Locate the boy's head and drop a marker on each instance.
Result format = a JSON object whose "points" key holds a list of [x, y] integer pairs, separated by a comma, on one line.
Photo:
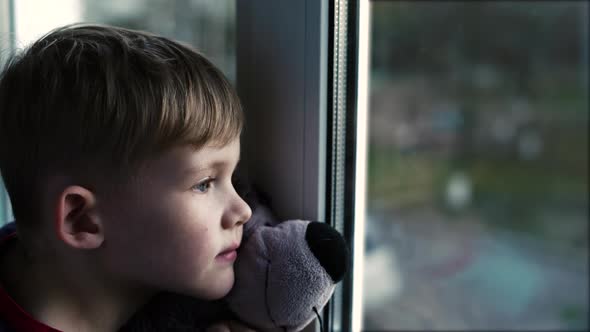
{"points": [[95, 117], [93, 100]]}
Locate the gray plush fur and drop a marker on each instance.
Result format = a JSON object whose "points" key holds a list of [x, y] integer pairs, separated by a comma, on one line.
{"points": [[279, 280]]}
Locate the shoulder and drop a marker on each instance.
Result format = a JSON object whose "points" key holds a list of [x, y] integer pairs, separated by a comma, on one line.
{"points": [[4, 327], [7, 231], [7, 239]]}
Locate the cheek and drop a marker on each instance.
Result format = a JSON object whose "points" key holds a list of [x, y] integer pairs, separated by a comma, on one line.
{"points": [[183, 261], [156, 237], [185, 230], [164, 215], [167, 240], [176, 233]]}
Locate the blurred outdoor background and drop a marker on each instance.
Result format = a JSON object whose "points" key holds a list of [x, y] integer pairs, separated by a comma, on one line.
{"points": [[478, 166]]}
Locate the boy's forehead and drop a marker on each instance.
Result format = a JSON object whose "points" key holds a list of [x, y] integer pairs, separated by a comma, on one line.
{"points": [[214, 154], [212, 159], [188, 159]]}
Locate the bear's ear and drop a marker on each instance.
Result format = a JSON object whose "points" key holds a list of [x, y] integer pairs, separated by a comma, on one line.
{"points": [[329, 247]]}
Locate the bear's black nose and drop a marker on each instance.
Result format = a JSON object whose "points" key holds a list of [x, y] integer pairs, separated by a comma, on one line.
{"points": [[329, 247]]}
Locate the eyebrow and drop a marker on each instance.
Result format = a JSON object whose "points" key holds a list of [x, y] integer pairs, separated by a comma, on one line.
{"points": [[208, 166]]}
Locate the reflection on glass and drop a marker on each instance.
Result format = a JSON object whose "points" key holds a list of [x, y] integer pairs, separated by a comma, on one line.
{"points": [[477, 171], [209, 26]]}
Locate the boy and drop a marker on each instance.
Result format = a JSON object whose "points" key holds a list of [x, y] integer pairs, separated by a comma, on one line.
{"points": [[117, 149]]}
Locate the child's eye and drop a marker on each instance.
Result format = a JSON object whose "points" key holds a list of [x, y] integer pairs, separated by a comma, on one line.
{"points": [[204, 185]]}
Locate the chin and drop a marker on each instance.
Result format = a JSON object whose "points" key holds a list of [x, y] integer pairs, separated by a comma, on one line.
{"points": [[216, 289], [215, 294]]}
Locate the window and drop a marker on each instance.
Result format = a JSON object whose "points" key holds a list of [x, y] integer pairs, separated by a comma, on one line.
{"points": [[207, 25], [6, 28], [477, 206], [6, 48]]}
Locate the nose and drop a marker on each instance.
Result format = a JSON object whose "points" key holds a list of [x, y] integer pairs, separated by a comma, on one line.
{"points": [[238, 212]]}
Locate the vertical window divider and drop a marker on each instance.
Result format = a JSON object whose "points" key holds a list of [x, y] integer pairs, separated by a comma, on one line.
{"points": [[344, 312]]}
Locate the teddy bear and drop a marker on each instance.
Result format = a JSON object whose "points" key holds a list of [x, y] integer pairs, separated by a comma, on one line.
{"points": [[285, 274]]}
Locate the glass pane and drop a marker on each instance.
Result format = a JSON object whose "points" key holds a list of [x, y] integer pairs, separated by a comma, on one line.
{"points": [[5, 36], [6, 48], [477, 211], [209, 26]]}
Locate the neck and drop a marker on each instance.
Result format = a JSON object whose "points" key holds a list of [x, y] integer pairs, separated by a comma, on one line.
{"points": [[70, 300]]}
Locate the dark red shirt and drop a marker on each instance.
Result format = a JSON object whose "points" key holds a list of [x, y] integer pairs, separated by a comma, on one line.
{"points": [[13, 318]]}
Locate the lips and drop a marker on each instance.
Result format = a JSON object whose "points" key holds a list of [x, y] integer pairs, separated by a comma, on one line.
{"points": [[229, 254]]}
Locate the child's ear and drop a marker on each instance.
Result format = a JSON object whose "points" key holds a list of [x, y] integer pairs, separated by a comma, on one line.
{"points": [[76, 221]]}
